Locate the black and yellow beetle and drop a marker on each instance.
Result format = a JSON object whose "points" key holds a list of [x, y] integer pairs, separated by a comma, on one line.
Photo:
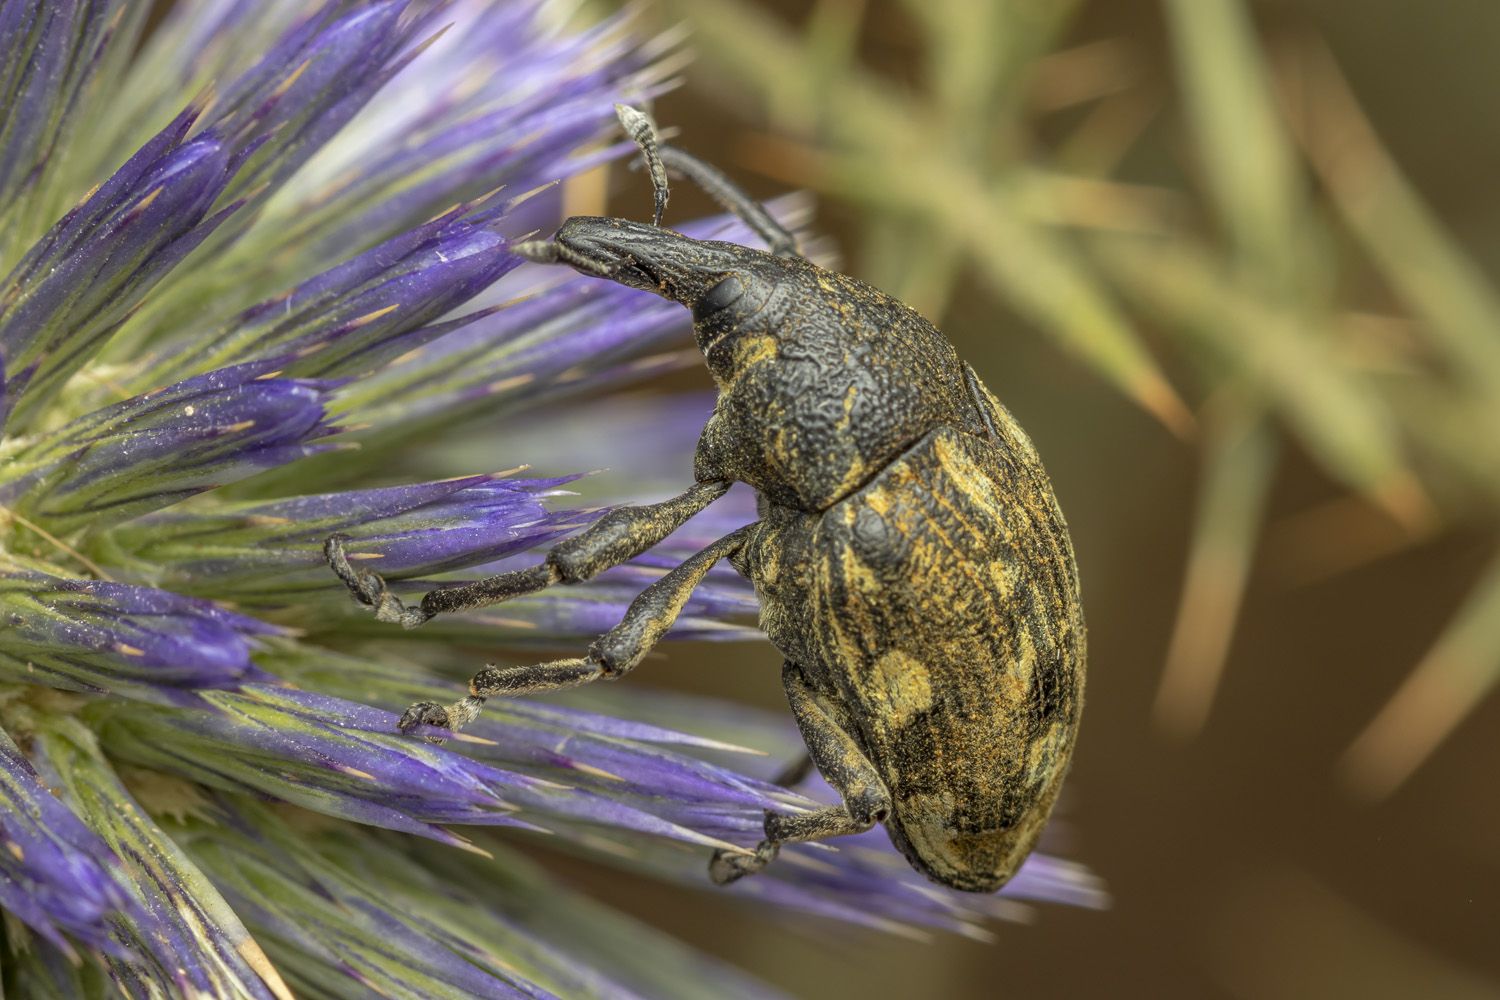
{"points": [[910, 559]]}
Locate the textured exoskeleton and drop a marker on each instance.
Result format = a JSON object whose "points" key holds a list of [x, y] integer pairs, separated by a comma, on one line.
{"points": [[911, 562]]}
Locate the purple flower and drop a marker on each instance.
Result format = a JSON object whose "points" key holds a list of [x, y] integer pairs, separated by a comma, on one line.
{"points": [[184, 938], [271, 552], [76, 286], [321, 753], [164, 446], [363, 908], [374, 307], [256, 289], [120, 638], [56, 875]]}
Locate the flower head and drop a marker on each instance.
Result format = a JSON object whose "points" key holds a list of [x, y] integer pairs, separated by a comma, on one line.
{"points": [[256, 289]]}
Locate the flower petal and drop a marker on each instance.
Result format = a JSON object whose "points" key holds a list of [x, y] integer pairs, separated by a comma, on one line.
{"points": [[322, 925], [406, 921], [325, 754], [188, 942], [78, 284], [597, 772], [56, 875], [162, 447], [356, 316], [271, 553], [93, 635], [470, 116], [60, 54]]}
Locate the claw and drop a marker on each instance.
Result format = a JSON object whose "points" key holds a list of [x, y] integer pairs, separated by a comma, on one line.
{"points": [[424, 713], [728, 866], [366, 587], [451, 717], [369, 588]]}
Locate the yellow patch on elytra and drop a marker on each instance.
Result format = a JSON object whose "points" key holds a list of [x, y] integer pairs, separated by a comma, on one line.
{"points": [[906, 683], [964, 475], [924, 815], [856, 473], [1045, 756], [935, 805], [1013, 685], [1025, 664], [887, 495], [1000, 578]]}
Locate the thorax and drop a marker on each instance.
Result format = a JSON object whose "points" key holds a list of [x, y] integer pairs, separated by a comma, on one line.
{"points": [[824, 386]]}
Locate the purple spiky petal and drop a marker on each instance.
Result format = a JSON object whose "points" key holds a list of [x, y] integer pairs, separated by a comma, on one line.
{"points": [[56, 875], [99, 636], [161, 447], [271, 553]]}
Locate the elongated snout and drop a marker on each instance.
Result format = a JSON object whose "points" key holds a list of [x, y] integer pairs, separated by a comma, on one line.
{"points": [[639, 255]]}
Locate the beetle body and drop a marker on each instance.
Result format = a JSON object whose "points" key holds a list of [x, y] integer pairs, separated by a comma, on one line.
{"points": [[910, 559]]}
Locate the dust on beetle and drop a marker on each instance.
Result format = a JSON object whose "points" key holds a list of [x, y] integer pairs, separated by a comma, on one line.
{"points": [[910, 559]]}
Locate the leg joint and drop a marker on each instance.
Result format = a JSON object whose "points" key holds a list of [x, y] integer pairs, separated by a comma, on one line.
{"points": [[868, 806], [615, 654]]}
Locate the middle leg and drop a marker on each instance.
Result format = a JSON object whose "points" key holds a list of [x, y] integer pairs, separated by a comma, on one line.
{"points": [[618, 536], [613, 654]]}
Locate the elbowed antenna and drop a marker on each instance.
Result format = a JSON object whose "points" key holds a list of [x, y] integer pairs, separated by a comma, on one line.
{"points": [[622, 252], [717, 185], [642, 131]]}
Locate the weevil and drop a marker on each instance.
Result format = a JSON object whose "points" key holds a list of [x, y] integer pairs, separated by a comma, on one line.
{"points": [[910, 560]]}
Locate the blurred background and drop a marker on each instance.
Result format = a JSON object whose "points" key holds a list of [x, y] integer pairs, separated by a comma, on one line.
{"points": [[1230, 264]]}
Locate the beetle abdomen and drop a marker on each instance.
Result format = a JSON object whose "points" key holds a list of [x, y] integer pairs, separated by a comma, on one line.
{"points": [[949, 624]]}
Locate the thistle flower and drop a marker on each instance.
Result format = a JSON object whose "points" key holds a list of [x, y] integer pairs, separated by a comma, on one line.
{"points": [[277, 285]]}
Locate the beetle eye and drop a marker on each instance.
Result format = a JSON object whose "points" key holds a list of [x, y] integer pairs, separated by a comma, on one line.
{"points": [[723, 295]]}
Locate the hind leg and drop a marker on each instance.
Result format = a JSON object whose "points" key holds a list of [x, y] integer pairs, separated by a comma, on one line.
{"points": [[843, 765]]}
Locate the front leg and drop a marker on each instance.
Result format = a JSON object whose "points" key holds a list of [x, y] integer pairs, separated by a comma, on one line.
{"points": [[843, 765], [618, 536], [612, 655]]}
